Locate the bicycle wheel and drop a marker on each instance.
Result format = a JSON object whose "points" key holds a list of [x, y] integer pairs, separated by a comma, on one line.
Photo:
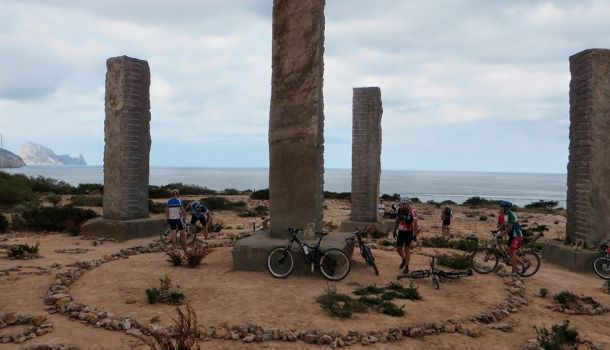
{"points": [[370, 259], [334, 264], [280, 262], [484, 261], [165, 234], [602, 267], [532, 259]]}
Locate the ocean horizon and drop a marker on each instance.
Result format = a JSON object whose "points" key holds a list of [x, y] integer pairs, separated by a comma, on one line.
{"points": [[519, 188]]}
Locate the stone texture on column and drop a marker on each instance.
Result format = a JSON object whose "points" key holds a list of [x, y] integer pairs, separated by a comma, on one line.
{"points": [[127, 137], [588, 197], [366, 153], [296, 120]]}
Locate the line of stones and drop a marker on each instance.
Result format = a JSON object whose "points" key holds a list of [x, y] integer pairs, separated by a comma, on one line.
{"points": [[37, 326], [58, 299]]}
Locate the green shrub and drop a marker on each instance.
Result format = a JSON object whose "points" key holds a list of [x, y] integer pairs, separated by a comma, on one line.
{"points": [[339, 305], [260, 194], [389, 308], [544, 292], [448, 202], [56, 218], [20, 251], [468, 244], [88, 188], [415, 200], [435, 242], [15, 189], [368, 290], [411, 292], [157, 192], [153, 295], [231, 191], [389, 295], [483, 218], [541, 204], [534, 246], [479, 201], [216, 227], [156, 208], [247, 213], [262, 210], [454, 261], [337, 195], [176, 297], [43, 184], [87, 201], [189, 190], [565, 297], [221, 203], [175, 257], [559, 336], [4, 224], [369, 301], [394, 198]]}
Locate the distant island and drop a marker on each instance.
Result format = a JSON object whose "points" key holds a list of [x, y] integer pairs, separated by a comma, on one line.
{"points": [[35, 154], [9, 159]]}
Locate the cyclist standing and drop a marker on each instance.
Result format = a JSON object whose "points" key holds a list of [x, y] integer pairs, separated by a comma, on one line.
{"points": [[512, 228], [174, 214], [405, 229], [446, 221], [199, 212]]}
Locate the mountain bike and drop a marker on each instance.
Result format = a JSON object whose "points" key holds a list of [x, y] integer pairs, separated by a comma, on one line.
{"points": [[365, 250], [437, 275], [601, 265], [485, 260], [191, 232], [333, 263]]}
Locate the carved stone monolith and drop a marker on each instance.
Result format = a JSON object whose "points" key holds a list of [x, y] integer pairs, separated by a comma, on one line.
{"points": [[296, 119]]}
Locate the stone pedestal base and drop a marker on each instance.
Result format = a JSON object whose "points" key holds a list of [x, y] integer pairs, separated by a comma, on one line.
{"points": [[123, 229], [250, 253], [383, 226], [565, 256]]}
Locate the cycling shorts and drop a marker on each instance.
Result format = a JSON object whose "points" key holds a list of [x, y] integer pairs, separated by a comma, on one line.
{"points": [[404, 238], [194, 220], [515, 242], [175, 224]]}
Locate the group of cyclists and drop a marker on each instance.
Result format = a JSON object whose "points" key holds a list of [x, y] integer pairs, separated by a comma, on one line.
{"points": [[405, 232], [405, 226], [176, 217]]}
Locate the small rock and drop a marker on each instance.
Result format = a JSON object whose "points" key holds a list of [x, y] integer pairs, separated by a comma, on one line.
{"points": [[134, 332], [130, 300], [155, 319], [10, 317], [38, 320], [449, 328], [249, 338], [416, 332], [310, 338], [504, 327]]}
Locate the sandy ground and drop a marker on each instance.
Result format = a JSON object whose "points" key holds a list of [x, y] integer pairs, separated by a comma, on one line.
{"points": [[219, 294]]}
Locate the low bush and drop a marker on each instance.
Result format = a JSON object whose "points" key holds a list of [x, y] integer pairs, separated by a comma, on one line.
{"points": [[15, 189], [479, 201], [43, 184], [369, 301], [88, 188], [189, 190], [565, 297], [156, 208], [415, 200], [166, 293], [194, 256], [448, 202], [221, 203], [558, 337], [543, 292], [216, 227], [391, 309], [4, 224], [176, 297], [87, 201], [337, 195], [153, 295], [469, 244], [57, 218], [454, 261], [371, 289], [231, 191], [541, 204], [339, 305], [247, 213], [175, 257], [411, 292], [262, 210], [22, 251], [157, 192], [260, 194], [394, 197], [185, 334], [483, 218]]}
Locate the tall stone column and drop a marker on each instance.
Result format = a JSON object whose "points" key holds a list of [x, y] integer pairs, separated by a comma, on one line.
{"points": [[127, 137], [366, 153], [296, 120], [588, 198]]}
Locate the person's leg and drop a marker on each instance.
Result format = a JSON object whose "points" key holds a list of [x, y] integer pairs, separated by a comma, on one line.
{"points": [[205, 228], [400, 248], [183, 239], [173, 239], [407, 250]]}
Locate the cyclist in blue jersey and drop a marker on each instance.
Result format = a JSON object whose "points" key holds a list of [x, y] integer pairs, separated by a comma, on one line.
{"points": [[199, 212], [175, 214]]}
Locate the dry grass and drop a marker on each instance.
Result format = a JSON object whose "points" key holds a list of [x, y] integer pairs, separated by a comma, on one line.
{"points": [[183, 336], [194, 256]]}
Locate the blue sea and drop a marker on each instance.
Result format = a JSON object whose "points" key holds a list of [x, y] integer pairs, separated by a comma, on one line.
{"points": [[519, 188]]}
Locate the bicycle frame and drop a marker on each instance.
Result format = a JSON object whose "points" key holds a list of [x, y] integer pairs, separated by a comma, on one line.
{"points": [[309, 257]]}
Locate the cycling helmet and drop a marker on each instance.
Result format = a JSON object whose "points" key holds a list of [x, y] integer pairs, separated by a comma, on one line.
{"points": [[506, 204], [405, 199], [194, 204]]}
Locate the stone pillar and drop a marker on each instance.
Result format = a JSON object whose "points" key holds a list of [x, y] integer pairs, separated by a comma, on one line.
{"points": [[127, 137], [588, 204], [296, 120], [366, 153]]}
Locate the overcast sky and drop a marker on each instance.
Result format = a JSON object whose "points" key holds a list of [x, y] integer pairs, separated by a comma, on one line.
{"points": [[475, 85]]}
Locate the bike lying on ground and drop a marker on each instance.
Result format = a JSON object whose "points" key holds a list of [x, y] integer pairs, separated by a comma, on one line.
{"points": [[365, 250], [437, 274], [333, 263], [601, 265], [485, 260], [191, 233]]}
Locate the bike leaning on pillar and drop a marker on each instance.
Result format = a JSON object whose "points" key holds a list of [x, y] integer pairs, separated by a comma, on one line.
{"points": [[333, 263], [365, 250], [601, 265]]}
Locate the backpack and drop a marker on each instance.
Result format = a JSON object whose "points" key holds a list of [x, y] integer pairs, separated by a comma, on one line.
{"points": [[447, 212], [406, 216]]}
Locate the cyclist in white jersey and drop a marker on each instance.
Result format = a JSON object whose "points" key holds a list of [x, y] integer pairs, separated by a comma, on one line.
{"points": [[174, 214]]}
